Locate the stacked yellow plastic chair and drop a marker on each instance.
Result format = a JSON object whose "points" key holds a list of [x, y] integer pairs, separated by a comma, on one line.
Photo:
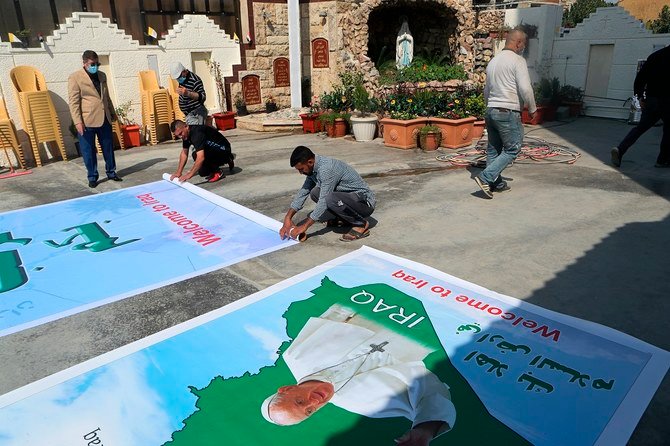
{"points": [[156, 107], [38, 113], [178, 114], [8, 138]]}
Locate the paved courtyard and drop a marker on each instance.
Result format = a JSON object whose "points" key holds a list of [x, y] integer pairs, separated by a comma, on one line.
{"points": [[586, 239]]}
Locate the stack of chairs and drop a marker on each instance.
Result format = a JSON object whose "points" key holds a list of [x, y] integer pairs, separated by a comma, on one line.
{"points": [[178, 114], [38, 113], [156, 108], [8, 137]]}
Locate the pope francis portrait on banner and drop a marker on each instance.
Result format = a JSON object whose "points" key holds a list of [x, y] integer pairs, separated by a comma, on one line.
{"points": [[347, 360]]}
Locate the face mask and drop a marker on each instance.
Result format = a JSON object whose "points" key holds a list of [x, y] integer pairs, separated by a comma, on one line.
{"points": [[181, 79], [92, 69]]}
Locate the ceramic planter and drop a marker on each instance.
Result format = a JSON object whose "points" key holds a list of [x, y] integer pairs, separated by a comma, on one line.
{"points": [[131, 135], [364, 127], [574, 107], [401, 133], [270, 107], [339, 128], [539, 116], [478, 129], [430, 141], [225, 120], [311, 123], [242, 110], [455, 132]]}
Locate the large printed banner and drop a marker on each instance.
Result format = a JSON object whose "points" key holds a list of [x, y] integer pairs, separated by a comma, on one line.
{"points": [[62, 258], [355, 351]]}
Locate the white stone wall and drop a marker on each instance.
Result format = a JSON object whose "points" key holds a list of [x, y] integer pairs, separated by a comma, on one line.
{"points": [[566, 56], [60, 55], [547, 18], [632, 42]]}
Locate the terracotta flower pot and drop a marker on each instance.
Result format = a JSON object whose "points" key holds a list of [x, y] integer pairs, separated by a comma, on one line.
{"points": [[455, 132], [225, 120], [401, 133], [311, 123], [430, 141], [340, 127], [539, 116], [478, 129], [574, 107], [131, 135], [330, 129]]}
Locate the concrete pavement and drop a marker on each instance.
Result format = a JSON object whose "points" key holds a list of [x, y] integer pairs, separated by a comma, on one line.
{"points": [[587, 240]]}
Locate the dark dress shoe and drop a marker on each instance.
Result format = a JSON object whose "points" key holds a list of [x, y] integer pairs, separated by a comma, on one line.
{"points": [[115, 178], [92, 184]]}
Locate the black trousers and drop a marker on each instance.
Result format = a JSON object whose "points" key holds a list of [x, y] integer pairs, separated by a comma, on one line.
{"points": [[351, 207], [655, 109], [214, 159]]}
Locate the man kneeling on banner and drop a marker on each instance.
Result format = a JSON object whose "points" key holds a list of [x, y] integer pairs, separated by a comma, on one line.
{"points": [[342, 197], [356, 364], [211, 150]]}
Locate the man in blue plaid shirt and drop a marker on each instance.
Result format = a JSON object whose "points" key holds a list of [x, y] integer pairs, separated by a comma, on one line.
{"points": [[342, 197]]}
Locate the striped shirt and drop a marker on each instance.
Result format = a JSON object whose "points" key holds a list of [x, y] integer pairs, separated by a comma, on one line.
{"points": [[331, 175], [192, 83]]}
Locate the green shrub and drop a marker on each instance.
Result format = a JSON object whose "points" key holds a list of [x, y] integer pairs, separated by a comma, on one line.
{"points": [[475, 105], [420, 71]]}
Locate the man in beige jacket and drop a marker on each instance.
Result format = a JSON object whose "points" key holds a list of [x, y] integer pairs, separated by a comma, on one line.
{"points": [[92, 114]]}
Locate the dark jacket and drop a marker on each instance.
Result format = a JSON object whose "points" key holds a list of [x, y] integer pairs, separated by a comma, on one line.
{"points": [[652, 78]]}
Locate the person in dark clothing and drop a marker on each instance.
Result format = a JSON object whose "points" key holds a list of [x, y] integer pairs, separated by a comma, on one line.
{"points": [[653, 90], [211, 150]]}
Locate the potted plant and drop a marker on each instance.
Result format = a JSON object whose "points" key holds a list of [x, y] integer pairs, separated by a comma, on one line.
{"points": [[24, 37], [402, 124], [129, 128], [241, 105], [310, 121], [430, 137], [363, 120], [455, 121], [337, 104], [223, 120], [335, 123], [547, 98], [499, 32], [476, 107], [573, 97], [270, 104], [529, 29]]}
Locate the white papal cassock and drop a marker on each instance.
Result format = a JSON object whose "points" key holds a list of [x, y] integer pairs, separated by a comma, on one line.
{"points": [[389, 383]]}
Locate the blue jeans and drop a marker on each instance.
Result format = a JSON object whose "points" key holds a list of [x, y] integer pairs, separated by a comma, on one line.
{"points": [[505, 133], [89, 153]]}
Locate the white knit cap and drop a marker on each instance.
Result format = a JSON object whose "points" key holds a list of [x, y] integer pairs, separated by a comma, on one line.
{"points": [[265, 408], [175, 69]]}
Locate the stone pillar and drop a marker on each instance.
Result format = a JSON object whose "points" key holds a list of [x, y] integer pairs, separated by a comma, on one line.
{"points": [[294, 52]]}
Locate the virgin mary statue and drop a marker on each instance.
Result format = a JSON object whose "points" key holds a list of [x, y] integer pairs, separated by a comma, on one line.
{"points": [[404, 46]]}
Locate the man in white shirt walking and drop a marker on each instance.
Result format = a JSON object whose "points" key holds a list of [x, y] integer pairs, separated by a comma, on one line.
{"points": [[507, 90]]}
